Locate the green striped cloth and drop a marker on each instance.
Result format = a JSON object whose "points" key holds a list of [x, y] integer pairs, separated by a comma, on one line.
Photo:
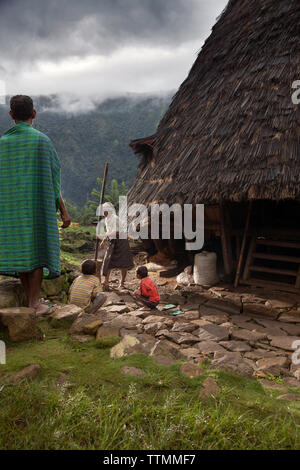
{"points": [[29, 199]]}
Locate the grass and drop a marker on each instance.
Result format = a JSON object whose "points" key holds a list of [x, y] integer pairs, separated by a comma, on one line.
{"points": [[73, 237], [100, 408], [73, 259]]}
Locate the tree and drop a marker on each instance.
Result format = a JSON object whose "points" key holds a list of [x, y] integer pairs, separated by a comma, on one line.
{"points": [[111, 195]]}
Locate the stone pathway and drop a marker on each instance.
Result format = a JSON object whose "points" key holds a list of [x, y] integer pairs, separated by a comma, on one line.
{"points": [[239, 332], [210, 327]]}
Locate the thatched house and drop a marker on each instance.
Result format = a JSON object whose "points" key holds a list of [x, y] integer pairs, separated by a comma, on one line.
{"points": [[232, 135]]}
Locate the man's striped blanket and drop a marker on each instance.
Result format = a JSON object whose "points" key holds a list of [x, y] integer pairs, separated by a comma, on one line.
{"points": [[29, 199]]}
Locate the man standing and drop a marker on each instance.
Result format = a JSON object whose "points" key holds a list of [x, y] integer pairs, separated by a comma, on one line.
{"points": [[29, 199]]}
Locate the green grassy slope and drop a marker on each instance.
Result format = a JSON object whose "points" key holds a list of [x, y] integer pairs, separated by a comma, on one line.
{"points": [[100, 408]]}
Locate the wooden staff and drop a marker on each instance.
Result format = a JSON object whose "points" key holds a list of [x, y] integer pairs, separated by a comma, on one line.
{"points": [[239, 267], [101, 202]]}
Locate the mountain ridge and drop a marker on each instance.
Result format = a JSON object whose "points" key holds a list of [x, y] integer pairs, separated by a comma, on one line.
{"points": [[86, 140]]}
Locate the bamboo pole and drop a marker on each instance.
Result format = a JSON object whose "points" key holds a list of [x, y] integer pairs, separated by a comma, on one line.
{"points": [[239, 267], [101, 202]]}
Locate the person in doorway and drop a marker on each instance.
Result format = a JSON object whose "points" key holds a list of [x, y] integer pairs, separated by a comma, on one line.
{"points": [[118, 255], [29, 199]]}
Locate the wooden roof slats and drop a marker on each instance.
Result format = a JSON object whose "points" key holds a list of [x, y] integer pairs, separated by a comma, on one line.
{"points": [[233, 121]]}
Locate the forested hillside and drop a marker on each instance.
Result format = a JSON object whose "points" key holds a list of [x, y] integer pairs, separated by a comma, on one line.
{"points": [[86, 140]]}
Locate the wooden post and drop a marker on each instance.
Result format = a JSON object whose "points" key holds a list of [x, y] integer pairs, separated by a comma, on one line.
{"points": [[239, 267], [101, 202], [249, 257], [224, 241], [297, 285], [228, 236], [237, 247]]}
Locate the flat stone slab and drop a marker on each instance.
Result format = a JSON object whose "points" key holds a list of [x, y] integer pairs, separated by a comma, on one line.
{"points": [[124, 347], [273, 365], [126, 321], [216, 318], [176, 299], [269, 384], [193, 315], [222, 305], [134, 371], [284, 342], [290, 329], [92, 328], [67, 313], [268, 331], [113, 299], [77, 327], [201, 322], [209, 388], [253, 309], [11, 293], [227, 325], [167, 349], [212, 333], [247, 335], [107, 332], [232, 362], [118, 309], [297, 374], [164, 360], [236, 346], [273, 327], [261, 354], [138, 313], [292, 382], [21, 323], [156, 319], [179, 338], [190, 352], [82, 338], [209, 347], [184, 327], [293, 316], [289, 396], [191, 370], [153, 328], [27, 373], [279, 304], [242, 322]]}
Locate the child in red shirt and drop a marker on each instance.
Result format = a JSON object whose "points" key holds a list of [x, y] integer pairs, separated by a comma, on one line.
{"points": [[147, 293]]}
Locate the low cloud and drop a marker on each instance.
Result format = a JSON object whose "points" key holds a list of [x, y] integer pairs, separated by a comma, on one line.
{"points": [[101, 48]]}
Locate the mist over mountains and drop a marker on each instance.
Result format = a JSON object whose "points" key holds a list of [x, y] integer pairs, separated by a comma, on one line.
{"points": [[87, 136]]}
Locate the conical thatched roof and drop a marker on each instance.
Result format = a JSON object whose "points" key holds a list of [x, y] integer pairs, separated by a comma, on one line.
{"points": [[231, 131]]}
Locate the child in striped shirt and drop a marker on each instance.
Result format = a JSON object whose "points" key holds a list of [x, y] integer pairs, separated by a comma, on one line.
{"points": [[85, 289]]}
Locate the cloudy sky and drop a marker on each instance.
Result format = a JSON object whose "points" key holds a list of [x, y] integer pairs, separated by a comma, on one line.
{"points": [[101, 47]]}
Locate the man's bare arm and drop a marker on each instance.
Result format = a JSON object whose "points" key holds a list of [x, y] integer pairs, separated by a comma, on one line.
{"points": [[64, 214]]}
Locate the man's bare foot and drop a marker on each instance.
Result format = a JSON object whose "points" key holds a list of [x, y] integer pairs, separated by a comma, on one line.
{"points": [[43, 309]]}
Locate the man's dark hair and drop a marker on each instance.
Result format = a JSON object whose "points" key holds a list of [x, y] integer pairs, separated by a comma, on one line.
{"points": [[88, 267], [142, 271], [21, 107]]}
